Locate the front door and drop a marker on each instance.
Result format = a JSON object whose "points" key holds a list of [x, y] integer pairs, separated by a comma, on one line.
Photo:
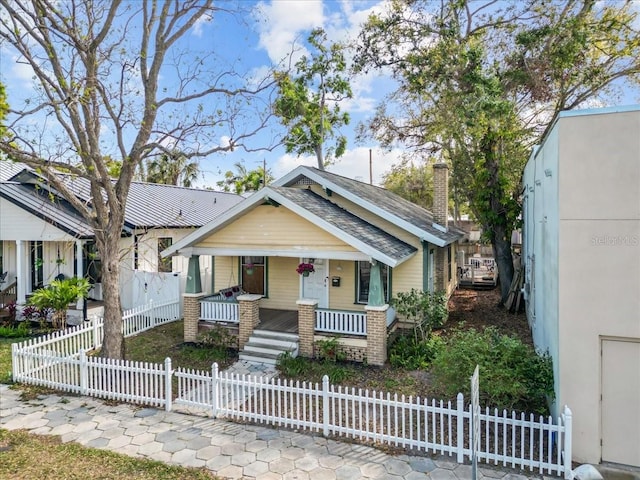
{"points": [[315, 286]]}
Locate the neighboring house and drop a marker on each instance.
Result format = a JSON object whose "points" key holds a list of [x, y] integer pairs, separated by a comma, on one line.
{"points": [[366, 244], [581, 252], [42, 236]]}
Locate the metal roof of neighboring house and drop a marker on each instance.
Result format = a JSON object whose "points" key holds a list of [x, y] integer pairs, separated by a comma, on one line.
{"points": [[347, 222], [37, 202], [151, 205], [384, 203], [9, 168]]}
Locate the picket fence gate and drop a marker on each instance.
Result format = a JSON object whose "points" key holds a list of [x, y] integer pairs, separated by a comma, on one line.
{"points": [[60, 361]]}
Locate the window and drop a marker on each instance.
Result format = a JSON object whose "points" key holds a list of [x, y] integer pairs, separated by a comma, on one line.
{"points": [[253, 275], [164, 264], [363, 276], [92, 264], [449, 264]]}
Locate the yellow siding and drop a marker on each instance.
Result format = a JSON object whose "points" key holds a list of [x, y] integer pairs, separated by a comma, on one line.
{"points": [[283, 284], [274, 228], [407, 275], [343, 297], [226, 273]]}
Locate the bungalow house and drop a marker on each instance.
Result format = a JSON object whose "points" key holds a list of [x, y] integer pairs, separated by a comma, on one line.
{"points": [[43, 237], [364, 244], [581, 252]]}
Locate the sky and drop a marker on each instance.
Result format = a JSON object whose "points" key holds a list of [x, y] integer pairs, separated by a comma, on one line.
{"points": [[268, 32]]}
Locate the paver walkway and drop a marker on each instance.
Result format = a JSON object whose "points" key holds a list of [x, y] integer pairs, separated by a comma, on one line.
{"points": [[228, 449]]}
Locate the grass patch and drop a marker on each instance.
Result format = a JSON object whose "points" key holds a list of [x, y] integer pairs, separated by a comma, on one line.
{"points": [[168, 341], [57, 461], [5, 358]]}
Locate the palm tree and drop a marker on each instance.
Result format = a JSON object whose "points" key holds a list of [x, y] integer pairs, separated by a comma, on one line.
{"points": [[244, 180], [173, 168]]}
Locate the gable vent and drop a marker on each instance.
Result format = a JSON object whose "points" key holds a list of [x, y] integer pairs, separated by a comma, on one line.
{"points": [[305, 181]]}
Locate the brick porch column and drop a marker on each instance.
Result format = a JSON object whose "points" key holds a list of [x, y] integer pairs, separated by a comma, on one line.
{"points": [[249, 306], [191, 315], [306, 326], [376, 334]]}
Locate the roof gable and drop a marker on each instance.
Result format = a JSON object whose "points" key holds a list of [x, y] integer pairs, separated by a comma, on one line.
{"points": [[356, 232], [379, 201]]}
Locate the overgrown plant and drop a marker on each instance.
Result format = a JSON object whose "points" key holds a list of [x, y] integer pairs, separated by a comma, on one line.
{"points": [[425, 310], [220, 341], [512, 374], [58, 295], [413, 354], [329, 350]]}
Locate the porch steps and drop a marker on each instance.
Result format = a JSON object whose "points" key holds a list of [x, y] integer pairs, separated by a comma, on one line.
{"points": [[265, 346]]}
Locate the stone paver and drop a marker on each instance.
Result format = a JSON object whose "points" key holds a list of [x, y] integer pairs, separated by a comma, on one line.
{"points": [[228, 449]]}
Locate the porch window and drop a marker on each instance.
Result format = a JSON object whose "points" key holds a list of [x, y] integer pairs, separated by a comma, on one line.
{"points": [[164, 264], [253, 274], [363, 276], [92, 264], [37, 261]]}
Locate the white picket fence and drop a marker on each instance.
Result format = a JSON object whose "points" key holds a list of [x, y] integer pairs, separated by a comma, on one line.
{"points": [[509, 439], [60, 361]]}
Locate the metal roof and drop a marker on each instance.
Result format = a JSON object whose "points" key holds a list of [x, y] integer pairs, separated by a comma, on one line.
{"points": [[388, 204], [151, 205], [9, 168], [56, 212], [347, 222]]}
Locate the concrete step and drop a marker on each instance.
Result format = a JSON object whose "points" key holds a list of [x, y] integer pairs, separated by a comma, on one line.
{"points": [[268, 358], [265, 346]]}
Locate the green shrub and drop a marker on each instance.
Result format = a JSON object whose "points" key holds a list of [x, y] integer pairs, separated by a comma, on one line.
{"points": [[512, 375], [21, 330], [292, 367], [411, 354], [426, 310], [329, 350], [219, 342]]}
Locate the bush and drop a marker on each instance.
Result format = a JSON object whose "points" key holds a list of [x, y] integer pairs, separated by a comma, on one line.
{"points": [[219, 342], [21, 330], [411, 354], [512, 375], [426, 310]]}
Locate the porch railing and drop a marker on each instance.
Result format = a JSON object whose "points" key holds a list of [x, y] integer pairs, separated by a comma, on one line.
{"points": [[342, 322], [219, 311]]}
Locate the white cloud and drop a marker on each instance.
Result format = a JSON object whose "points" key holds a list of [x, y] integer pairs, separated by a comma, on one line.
{"points": [[284, 21]]}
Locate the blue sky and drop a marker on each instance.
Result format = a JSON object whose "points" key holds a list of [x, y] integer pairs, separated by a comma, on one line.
{"points": [[261, 39]]}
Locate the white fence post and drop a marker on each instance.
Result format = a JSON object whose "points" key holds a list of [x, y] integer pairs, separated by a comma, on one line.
{"points": [[460, 429], [567, 417], [325, 405], [96, 341], [152, 314], [168, 374], [214, 389], [14, 361], [84, 372]]}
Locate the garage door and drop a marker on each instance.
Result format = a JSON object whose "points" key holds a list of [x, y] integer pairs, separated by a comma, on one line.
{"points": [[621, 401]]}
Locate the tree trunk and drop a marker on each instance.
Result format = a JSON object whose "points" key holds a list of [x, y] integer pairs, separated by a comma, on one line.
{"points": [[501, 244], [109, 246], [319, 157]]}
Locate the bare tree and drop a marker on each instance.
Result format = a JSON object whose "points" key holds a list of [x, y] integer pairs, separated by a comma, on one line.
{"points": [[120, 79]]}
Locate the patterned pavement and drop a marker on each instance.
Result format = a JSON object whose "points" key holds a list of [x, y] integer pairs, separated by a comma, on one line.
{"points": [[230, 450]]}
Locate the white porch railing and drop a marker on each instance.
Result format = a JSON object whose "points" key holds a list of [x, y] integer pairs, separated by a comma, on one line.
{"points": [[219, 311], [341, 322]]}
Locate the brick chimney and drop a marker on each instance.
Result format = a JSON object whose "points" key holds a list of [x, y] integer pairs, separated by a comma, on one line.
{"points": [[441, 194]]}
